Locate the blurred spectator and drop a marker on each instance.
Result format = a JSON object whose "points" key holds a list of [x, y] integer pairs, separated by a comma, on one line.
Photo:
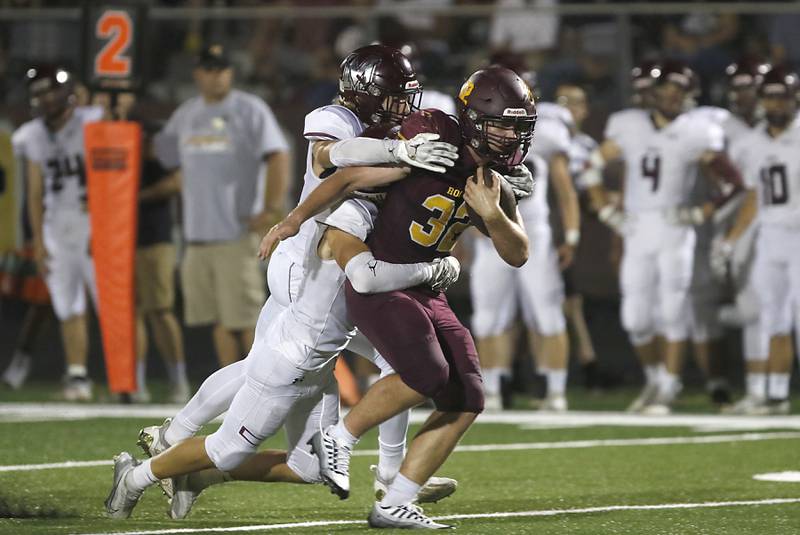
{"points": [[155, 275], [220, 140]]}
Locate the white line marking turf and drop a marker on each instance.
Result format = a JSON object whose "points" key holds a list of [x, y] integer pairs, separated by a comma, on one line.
{"points": [[32, 412], [478, 448], [510, 514], [779, 477]]}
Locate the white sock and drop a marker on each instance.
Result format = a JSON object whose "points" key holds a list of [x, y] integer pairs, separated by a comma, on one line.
{"points": [[142, 476], [491, 381], [556, 382], [670, 383], [141, 374], [390, 459], [77, 370], [340, 433], [178, 375], [401, 491], [778, 387], [652, 373], [757, 385]]}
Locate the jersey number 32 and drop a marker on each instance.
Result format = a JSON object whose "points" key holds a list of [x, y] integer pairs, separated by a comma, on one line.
{"points": [[444, 227]]}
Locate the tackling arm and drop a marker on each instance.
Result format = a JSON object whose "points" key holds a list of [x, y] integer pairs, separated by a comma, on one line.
{"points": [[368, 275], [331, 191]]}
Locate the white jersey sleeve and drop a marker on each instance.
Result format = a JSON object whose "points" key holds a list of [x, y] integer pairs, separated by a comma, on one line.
{"points": [[331, 123], [622, 124], [534, 210], [432, 98], [21, 139], [354, 216], [550, 137]]}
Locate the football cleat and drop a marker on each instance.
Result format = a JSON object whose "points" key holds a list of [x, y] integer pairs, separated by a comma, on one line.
{"points": [[18, 370], [77, 388], [646, 397], [556, 403], [748, 405], [122, 499], [435, 489], [183, 497], [656, 409], [334, 462], [151, 441], [406, 516], [776, 407]]}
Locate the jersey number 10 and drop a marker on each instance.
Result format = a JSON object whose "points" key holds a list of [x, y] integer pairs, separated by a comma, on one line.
{"points": [[776, 188]]}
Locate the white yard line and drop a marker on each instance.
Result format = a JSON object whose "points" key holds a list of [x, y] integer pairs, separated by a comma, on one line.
{"points": [[510, 514], [32, 412], [479, 448]]}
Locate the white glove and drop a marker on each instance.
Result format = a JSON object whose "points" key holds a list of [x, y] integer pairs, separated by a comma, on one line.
{"points": [[424, 151], [521, 180], [721, 254], [445, 272], [685, 216], [613, 217]]}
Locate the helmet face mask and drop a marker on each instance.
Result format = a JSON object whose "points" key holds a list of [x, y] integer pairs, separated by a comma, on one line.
{"points": [[378, 83], [497, 114]]}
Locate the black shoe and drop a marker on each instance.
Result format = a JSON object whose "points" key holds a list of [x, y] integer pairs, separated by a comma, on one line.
{"points": [[721, 396], [506, 392]]}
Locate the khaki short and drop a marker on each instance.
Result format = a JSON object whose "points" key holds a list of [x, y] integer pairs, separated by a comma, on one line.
{"points": [[223, 283], [155, 282]]}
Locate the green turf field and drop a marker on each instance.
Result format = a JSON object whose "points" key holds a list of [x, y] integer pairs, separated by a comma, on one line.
{"points": [[548, 477]]}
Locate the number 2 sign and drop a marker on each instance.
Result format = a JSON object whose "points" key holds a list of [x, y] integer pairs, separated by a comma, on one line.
{"points": [[113, 52]]}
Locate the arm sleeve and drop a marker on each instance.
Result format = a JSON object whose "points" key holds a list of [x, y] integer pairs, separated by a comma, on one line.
{"points": [[368, 275], [614, 128], [266, 131], [551, 139]]}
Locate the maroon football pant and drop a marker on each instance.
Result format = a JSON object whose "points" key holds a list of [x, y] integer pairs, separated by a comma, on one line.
{"points": [[420, 336]]}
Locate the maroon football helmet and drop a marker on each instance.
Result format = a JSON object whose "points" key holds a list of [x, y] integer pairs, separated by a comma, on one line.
{"points": [[642, 84], [379, 84], [744, 78], [50, 90], [668, 75], [497, 114], [778, 91]]}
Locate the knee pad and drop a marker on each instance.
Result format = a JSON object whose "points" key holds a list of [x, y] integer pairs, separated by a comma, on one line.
{"points": [[228, 453], [755, 343], [775, 319], [676, 315], [491, 321], [637, 318], [548, 315]]}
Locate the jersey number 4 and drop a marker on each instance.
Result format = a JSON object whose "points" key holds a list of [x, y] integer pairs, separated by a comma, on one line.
{"points": [[444, 228], [651, 168], [776, 187]]}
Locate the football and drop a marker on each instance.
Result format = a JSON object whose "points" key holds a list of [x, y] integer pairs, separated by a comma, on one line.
{"points": [[508, 203]]}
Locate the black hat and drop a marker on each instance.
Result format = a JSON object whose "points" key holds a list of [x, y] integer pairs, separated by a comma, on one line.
{"points": [[213, 57]]}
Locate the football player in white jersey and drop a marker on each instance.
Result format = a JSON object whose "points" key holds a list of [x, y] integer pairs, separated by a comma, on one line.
{"points": [[706, 294], [538, 283], [331, 131], [771, 167], [663, 151], [52, 146]]}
